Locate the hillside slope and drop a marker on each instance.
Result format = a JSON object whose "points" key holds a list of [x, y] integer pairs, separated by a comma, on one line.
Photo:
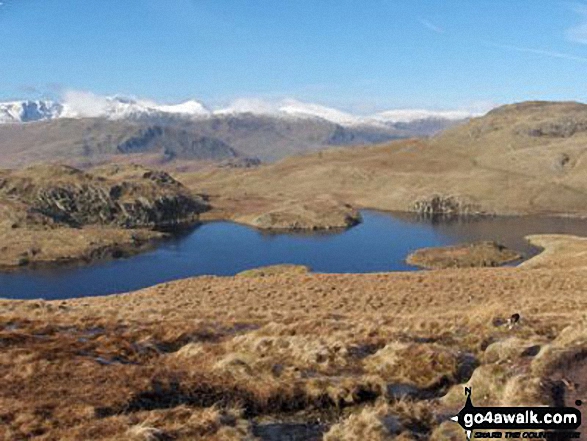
{"points": [[351, 356], [90, 141], [526, 158], [174, 141]]}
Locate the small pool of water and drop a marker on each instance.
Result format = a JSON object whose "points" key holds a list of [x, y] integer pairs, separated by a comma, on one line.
{"points": [[380, 243]]}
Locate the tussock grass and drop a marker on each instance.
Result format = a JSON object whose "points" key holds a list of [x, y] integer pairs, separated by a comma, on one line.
{"points": [[373, 423], [448, 431], [429, 364], [569, 347], [384, 421]]}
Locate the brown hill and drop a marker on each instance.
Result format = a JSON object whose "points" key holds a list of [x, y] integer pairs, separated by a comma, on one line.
{"points": [[91, 141], [524, 158], [180, 142]]}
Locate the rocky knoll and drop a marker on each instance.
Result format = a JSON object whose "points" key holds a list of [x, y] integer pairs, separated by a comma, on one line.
{"points": [[445, 206], [479, 254], [54, 214], [321, 213], [75, 198]]}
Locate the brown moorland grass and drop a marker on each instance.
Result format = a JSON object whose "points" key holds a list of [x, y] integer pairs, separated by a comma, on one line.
{"points": [[363, 356]]}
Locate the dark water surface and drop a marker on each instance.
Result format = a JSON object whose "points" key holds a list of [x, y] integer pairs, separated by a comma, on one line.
{"points": [[380, 243]]}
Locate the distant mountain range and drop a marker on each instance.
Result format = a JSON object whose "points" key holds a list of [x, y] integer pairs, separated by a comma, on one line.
{"points": [[86, 105], [29, 111], [86, 129]]}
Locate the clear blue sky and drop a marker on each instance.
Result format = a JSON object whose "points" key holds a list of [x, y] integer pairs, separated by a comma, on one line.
{"points": [[359, 55]]}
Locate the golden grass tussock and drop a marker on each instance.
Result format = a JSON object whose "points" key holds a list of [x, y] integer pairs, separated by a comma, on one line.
{"points": [[385, 421], [512, 348], [525, 390], [376, 423], [448, 431], [487, 384], [300, 351], [419, 365], [568, 348]]}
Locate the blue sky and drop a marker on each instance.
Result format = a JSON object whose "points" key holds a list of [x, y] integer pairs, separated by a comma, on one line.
{"points": [[358, 55]]}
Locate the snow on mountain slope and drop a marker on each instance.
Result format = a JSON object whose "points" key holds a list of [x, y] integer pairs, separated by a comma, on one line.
{"points": [[254, 106], [289, 108], [88, 105], [296, 109], [299, 109], [28, 111], [84, 104], [191, 107], [411, 115]]}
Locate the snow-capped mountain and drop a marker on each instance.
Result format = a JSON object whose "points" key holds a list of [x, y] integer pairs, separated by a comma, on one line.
{"points": [[191, 107], [250, 130], [411, 115], [87, 105], [289, 108], [253, 106], [296, 109], [305, 110], [29, 111]]}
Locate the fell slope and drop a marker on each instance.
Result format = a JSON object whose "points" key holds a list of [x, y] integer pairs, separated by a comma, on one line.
{"points": [[526, 158], [338, 356], [174, 141], [91, 141]]}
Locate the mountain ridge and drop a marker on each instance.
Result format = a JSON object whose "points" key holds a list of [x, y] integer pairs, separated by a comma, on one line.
{"points": [[84, 105]]}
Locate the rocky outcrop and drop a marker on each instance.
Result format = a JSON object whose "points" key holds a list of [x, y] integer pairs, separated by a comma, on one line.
{"points": [[143, 198], [322, 213], [88, 205], [240, 163], [440, 205], [561, 128], [479, 254], [61, 215]]}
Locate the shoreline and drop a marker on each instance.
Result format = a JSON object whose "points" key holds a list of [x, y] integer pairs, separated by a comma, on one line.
{"points": [[157, 237], [70, 279]]}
